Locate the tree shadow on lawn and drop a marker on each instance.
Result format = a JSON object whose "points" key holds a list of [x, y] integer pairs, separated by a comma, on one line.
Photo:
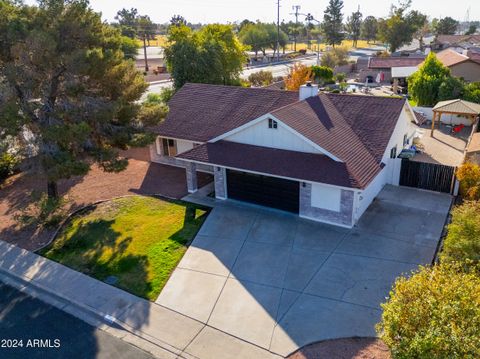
{"points": [[94, 248]]}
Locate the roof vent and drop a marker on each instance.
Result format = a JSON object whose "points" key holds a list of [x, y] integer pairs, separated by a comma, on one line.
{"points": [[308, 90]]}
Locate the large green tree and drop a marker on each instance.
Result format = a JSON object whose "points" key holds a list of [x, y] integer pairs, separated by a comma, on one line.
{"points": [[400, 27], [332, 25], [354, 26], [211, 55], [424, 85], [369, 28], [446, 26], [68, 86]]}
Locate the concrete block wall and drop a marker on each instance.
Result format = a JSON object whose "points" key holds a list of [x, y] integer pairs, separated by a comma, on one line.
{"points": [[343, 218], [220, 175]]}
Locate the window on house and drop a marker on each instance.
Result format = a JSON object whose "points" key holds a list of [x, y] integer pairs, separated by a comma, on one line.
{"points": [[272, 124], [169, 147], [405, 140], [393, 152]]}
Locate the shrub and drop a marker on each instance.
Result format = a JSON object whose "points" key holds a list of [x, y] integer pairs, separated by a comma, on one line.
{"points": [[469, 176], [261, 78], [322, 74], [451, 88], [471, 92], [462, 243], [8, 162], [433, 314], [340, 77], [298, 75], [335, 57]]}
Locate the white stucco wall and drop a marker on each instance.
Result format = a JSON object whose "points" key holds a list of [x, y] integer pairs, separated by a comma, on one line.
{"points": [[326, 197], [281, 138], [390, 174], [184, 146], [404, 126], [447, 119]]}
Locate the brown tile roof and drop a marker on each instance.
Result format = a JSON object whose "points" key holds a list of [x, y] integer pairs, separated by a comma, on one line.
{"points": [[389, 62], [474, 145], [200, 112], [355, 129], [474, 56], [290, 164], [450, 57], [456, 39]]}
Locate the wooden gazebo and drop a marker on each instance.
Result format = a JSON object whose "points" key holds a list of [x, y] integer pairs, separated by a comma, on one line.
{"points": [[468, 109]]}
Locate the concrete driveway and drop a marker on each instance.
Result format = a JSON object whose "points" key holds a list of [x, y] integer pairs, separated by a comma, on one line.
{"points": [[280, 282]]}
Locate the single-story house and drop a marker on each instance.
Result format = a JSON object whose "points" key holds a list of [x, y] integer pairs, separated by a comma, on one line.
{"points": [[460, 65], [385, 65], [323, 156], [455, 42]]}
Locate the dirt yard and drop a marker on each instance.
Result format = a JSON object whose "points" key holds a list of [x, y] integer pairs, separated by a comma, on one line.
{"points": [[139, 178]]}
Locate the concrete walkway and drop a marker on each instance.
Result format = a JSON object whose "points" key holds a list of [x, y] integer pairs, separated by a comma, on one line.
{"points": [[152, 327], [281, 282]]}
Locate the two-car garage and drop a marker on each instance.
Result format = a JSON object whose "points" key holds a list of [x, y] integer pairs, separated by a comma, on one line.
{"points": [[264, 190]]}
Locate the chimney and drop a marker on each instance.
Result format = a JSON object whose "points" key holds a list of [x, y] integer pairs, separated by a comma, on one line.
{"points": [[308, 90]]}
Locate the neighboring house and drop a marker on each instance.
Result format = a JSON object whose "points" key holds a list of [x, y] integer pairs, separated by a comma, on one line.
{"points": [[473, 149], [459, 43], [323, 156], [464, 66], [385, 65]]}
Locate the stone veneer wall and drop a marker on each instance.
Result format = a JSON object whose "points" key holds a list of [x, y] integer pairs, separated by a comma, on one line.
{"points": [[220, 175], [191, 169], [344, 217]]}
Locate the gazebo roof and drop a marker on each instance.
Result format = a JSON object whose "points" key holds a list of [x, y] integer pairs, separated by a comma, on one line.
{"points": [[458, 106]]}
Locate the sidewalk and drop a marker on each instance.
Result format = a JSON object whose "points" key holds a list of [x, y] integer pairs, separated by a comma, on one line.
{"points": [[152, 327]]}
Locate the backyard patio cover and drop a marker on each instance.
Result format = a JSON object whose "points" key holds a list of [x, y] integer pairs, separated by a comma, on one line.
{"points": [[455, 107]]}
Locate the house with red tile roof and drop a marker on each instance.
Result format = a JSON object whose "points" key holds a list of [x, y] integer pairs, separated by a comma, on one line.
{"points": [[460, 65], [322, 156]]}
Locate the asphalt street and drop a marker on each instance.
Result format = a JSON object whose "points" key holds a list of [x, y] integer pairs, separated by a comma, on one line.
{"points": [[39, 330]]}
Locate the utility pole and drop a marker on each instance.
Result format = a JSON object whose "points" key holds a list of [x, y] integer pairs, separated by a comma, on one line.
{"points": [[145, 50], [296, 8], [278, 30]]}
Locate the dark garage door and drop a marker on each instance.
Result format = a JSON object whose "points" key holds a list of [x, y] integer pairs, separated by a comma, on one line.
{"points": [[266, 191]]}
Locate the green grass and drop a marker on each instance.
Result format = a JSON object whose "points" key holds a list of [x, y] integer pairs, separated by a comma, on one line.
{"points": [[139, 240]]}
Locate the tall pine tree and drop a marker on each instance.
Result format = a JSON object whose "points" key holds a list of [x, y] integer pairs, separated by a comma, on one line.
{"points": [[332, 23], [354, 26]]}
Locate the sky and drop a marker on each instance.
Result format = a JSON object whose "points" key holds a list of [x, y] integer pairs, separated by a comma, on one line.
{"points": [[208, 11]]}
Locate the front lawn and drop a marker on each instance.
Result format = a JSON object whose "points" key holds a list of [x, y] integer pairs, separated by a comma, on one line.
{"points": [[133, 243]]}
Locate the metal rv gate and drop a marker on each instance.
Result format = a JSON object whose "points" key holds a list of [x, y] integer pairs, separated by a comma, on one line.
{"points": [[430, 176]]}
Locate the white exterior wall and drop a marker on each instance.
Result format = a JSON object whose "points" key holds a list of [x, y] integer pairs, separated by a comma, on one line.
{"points": [[404, 126], [281, 138], [326, 197], [446, 119], [184, 146], [390, 174], [365, 198]]}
